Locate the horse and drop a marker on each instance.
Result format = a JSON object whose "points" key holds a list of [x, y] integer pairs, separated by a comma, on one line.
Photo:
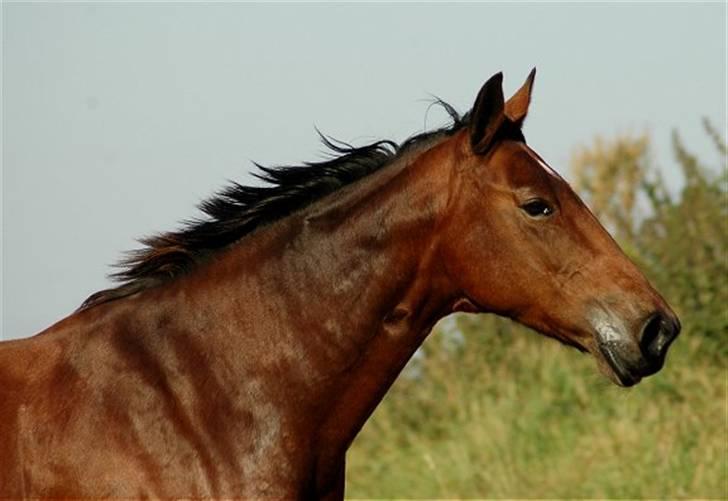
{"points": [[240, 355]]}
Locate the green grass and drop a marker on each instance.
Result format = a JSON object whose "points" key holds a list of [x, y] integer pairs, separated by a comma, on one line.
{"points": [[508, 414]]}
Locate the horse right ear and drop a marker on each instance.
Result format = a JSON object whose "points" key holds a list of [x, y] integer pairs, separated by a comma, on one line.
{"points": [[487, 115]]}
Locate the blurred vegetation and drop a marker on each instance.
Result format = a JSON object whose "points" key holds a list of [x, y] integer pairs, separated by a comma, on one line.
{"points": [[490, 409]]}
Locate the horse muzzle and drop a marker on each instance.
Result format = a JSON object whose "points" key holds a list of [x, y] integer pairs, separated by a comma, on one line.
{"points": [[632, 358]]}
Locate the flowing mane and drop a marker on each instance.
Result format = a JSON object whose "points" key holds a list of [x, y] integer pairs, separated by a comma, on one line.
{"points": [[238, 210]]}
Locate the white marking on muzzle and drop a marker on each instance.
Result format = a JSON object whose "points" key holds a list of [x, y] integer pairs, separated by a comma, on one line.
{"points": [[607, 332], [609, 328]]}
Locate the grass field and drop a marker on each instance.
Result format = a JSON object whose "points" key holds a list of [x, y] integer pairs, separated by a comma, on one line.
{"points": [[501, 412]]}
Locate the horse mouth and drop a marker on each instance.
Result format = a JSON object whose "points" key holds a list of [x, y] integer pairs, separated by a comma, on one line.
{"points": [[620, 373]]}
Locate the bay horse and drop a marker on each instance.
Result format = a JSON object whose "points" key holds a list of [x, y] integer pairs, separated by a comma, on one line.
{"points": [[241, 354]]}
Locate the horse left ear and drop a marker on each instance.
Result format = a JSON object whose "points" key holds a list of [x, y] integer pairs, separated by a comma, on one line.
{"points": [[516, 107], [487, 115]]}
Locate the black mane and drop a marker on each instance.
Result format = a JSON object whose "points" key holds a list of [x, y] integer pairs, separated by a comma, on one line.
{"points": [[237, 210]]}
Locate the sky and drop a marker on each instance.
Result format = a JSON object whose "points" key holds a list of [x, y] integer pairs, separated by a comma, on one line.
{"points": [[119, 118]]}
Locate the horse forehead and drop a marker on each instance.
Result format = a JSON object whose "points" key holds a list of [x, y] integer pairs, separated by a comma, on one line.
{"points": [[542, 163], [523, 166]]}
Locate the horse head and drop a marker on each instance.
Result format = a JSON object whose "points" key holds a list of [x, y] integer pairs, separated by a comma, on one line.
{"points": [[519, 242]]}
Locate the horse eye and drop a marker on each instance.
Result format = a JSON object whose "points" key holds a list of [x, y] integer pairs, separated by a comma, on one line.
{"points": [[537, 208]]}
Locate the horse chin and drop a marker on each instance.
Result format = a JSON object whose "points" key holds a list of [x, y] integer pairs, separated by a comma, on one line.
{"points": [[618, 358], [609, 359]]}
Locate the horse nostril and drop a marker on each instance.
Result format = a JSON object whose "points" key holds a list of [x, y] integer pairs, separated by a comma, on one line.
{"points": [[657, 334]]}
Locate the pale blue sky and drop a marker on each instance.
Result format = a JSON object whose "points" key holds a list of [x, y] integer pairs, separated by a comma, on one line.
{"points": [[119, 118]]}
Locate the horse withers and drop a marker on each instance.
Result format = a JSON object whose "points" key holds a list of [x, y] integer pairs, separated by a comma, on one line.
{"points": [[241, 355]]}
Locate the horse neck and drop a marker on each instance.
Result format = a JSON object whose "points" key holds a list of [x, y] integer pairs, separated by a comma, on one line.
{"points": [[344, 291], [317, 313], [363, 286]]}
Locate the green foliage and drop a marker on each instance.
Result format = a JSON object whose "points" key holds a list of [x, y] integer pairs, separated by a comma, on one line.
{"points": [[538, 421], [682, 247], [490, 409]]}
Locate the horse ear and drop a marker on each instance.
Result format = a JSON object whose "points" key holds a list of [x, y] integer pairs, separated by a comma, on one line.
{"points": [[487, 115], [517, 106]]}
